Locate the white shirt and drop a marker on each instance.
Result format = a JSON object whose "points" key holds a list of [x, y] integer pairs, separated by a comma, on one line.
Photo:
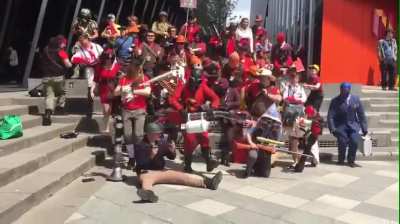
{"points": [[296, 91], [245, 33], [87, 56]]}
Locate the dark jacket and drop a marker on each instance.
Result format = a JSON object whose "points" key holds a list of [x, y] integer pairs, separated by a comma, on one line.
{"points": [[343, 115], [143, 152]]}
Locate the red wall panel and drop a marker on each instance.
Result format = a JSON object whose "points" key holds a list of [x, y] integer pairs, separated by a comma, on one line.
{"points": [[349, 47]]}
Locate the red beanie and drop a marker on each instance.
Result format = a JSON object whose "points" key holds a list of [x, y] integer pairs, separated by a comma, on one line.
{"points": [[280, 37]]}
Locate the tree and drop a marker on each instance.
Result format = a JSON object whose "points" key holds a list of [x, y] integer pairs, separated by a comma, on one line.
{"points": [[214, 11]]}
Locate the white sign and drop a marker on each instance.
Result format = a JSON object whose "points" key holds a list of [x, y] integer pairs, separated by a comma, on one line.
{"points": [[192, 4]]}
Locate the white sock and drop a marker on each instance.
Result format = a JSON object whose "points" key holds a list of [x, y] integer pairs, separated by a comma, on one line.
{"points": [[131, 151]]}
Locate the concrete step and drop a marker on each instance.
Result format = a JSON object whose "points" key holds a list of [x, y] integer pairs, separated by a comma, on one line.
{"points": [[389, 123], [374, 118], [60, 207], [384, 107], [380, 138], [24, 162], [383, 100], [378, 154], [13, 109], [28, 191], [33, 136], [30, 121], [395, 141], [376, 93]]}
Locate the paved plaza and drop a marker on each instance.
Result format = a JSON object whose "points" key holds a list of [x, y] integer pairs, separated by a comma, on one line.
{"points": [[323, 195]]}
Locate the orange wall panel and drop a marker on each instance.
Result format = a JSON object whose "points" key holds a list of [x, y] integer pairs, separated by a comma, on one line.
{"points": [[348, 44]]}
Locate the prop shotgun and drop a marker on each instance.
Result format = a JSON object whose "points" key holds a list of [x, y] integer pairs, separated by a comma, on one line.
{"points": [[278, 146]]}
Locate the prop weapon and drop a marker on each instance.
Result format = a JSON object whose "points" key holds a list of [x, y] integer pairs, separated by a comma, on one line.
{"points": [[278, 146]]}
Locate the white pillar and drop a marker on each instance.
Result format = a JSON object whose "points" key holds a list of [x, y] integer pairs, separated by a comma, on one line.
{"points": [[310, 53], [100, 14], [5, 22], [76, 12]]}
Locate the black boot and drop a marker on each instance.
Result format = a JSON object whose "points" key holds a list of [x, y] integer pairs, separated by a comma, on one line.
{"points": [[225, 159], [147, 195], [212, 183], [47, 118], [60, 111], [131, 164], [188, 163], [211, 164]]}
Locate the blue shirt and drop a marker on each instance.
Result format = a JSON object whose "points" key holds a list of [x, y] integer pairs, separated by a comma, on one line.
{"points": [[123, 46]]}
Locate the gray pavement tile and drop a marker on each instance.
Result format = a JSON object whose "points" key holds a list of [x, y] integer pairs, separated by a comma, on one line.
{"points": [[251, 204], [373, 183], [174, 214], [85, 221], [378, 211], [352, 217], [241, 216], [118, 193], [302, 217], [100, 210], [181, 198], [386, 198], [319, 208], [309, 190], [354, 193]]}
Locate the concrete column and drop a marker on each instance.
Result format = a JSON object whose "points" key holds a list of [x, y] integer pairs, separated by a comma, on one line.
{"points": [[153, 10], [4, 24], [76, 12], [134, 7], [100, 14], [144, 10], [163, 6], [36, 35], [302, 23], [121, 4], [310, 53]]}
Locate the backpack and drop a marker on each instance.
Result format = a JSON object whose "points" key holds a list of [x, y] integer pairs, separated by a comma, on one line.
{"points": [[10, 127]]}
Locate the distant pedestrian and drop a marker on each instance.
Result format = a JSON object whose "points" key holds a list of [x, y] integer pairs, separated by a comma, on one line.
{"points": [[12, 66], [345, 119], [387, 52]]}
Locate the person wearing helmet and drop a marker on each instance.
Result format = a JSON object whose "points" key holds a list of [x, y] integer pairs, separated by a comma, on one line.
{"points": [[189, 98], [313, 83], [151, 169], [268, 126], [84, 24], [161, 26]]}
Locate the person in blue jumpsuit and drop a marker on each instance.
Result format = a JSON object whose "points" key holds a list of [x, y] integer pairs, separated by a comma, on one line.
{"points": [[346, 117]]}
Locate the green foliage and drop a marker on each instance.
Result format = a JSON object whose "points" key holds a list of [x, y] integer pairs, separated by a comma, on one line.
{"points": [[216, 11]]}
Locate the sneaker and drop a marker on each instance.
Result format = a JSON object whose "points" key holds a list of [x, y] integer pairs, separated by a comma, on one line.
{"points": [[147, 195], [211, 165], [340, 163], [354, 165]]}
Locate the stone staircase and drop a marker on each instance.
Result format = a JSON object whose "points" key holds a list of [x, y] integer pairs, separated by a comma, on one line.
{"points": [[38, 164]]}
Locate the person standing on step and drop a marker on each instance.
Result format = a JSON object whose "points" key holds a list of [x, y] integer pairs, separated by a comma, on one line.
{"points": [[150, 168], [316, 96], [346, 117], [87, 56], [387, 52], [54, 63], [134, 93]]}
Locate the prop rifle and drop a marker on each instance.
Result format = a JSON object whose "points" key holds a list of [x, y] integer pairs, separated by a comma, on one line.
{"points": [[278, 145]]}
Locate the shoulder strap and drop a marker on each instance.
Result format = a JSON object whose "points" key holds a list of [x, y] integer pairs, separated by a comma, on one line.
{"points": [[46, 51]]}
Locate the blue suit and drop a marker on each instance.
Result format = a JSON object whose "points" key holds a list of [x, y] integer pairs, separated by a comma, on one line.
{"points": [[346, 117]]}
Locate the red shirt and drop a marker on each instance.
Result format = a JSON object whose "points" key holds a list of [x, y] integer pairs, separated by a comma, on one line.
{"points": [[315, 79], [101, 73], [63, 55], [129, 101]]}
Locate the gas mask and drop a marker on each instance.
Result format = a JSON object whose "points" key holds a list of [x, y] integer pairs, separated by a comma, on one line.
{"points": [[195, 79]]}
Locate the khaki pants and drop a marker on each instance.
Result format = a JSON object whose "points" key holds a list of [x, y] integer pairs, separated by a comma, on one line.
{"points": [[133, 125], [153, 177], [54, 88]]}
